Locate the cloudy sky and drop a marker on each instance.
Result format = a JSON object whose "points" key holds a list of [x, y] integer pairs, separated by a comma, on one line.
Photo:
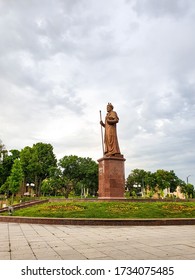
{"points": [[62, 61]]}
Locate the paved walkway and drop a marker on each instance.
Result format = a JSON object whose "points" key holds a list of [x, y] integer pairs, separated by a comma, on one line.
{"points": [[49, 242]]}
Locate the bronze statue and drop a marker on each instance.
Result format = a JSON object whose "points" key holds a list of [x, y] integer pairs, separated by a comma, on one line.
{"points": [[110, 137]]}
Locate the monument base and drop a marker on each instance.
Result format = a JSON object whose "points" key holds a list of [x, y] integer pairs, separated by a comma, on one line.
{"points": [[111, 177]]}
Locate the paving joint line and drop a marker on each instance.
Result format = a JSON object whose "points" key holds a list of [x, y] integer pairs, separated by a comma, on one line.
{"points": [[28, 241], [9, 241]]}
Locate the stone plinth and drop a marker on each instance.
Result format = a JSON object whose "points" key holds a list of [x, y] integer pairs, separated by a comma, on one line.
{"points": [[111, 177]]}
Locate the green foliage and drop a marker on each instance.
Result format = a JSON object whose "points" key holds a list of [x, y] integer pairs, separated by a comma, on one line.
{"points": [[46, 187], [161, 179], [72, 174], [6, 165], [80, 172], [188, 190], [16, 177], [36, 163], [138, 179], [27, 163], [14, 181], [57, 183], [166, 179]]}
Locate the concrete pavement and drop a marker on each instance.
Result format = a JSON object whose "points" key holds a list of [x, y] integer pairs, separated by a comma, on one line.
{"points": [[67, 242]]}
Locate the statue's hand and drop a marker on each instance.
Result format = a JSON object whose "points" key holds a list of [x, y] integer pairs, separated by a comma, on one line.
{"points": [[101, 122]]}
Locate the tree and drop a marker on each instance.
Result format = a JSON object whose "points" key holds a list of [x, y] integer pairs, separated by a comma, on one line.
{"points": [[166, 179], [46, 187], [174, 181], [89, 178], [36, 163], [6, 164], [57, 183], [137, 179], [188, 190], [78, 170], [161, 179], [150, 180], [15, 179], [27, 164], [43, 159]]}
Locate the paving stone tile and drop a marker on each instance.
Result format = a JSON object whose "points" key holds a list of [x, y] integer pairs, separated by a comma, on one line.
{"points": [[70, 255], [39, 245], [4, 246], [24, 256], [5, 255]]}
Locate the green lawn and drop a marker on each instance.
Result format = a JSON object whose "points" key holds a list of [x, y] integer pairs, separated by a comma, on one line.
{"points": [[99, 209]]}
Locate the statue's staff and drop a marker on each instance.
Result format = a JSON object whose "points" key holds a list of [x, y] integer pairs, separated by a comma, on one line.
{"points": [[102, 132]]}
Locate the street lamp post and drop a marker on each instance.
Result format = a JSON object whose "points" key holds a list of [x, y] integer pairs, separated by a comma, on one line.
{"points": [[29, 187], [187, 178]]}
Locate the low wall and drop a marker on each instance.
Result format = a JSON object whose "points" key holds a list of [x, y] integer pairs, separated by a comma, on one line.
{"points": [[98, 222]]}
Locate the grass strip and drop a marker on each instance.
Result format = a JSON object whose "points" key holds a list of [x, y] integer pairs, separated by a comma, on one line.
{"points": [[72, 209]]}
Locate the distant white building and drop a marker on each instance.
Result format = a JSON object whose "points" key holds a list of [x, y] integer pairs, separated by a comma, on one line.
{"points": [[177, 193]]}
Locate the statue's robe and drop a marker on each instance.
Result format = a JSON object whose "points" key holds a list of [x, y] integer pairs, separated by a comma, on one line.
{"points": [[110, 139]]}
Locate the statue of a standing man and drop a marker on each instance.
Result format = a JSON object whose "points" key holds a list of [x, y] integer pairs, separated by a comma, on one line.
{"points": [[110, 137]]}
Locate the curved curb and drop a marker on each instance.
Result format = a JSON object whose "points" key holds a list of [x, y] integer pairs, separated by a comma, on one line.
{"points": [[99, 222], [23, 205]]}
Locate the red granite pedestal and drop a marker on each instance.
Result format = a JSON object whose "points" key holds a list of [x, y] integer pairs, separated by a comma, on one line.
{"points": [[111, 177]]}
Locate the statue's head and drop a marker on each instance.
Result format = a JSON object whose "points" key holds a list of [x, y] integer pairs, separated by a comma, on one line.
{"points": [[110, 106]]}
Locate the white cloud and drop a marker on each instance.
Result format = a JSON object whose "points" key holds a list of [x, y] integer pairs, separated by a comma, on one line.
{"points": [[62, 61]]}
